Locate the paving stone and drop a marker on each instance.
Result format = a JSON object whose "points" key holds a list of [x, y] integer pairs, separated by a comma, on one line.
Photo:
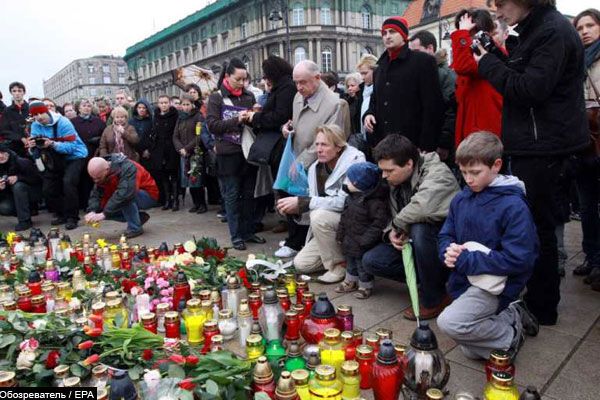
{"points": [[594, 334], [579, 378]]}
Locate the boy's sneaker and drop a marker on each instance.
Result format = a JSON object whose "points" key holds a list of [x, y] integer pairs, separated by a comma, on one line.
{"points": [[285, 252], [529, 322], [517, 342]]}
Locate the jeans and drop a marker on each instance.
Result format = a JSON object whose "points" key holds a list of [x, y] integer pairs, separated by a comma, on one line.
{"points": [[588, 188], [17, 199], [238, 194], [541, 177], [61, 189], [385, 261], [355, 271], [130, 213]]}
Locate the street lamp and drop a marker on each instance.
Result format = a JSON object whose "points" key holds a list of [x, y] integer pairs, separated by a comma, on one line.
{"points": [[275, 16]]}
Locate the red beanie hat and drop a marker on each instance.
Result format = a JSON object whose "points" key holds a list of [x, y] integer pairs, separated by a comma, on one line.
{"points": [[37, 107], [398, 24]]}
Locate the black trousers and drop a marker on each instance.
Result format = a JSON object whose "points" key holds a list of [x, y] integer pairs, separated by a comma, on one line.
{"points": [[541, 176], [18, 199], [61, 189], [296, 233]]}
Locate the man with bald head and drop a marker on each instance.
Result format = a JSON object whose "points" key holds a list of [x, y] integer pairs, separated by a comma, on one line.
{"points": [[121, 189]]}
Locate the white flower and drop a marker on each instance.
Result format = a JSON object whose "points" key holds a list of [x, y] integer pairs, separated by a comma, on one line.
{"points": [[189, 246], [39, 323], [152, 379], [75, 303], [26, 359]]}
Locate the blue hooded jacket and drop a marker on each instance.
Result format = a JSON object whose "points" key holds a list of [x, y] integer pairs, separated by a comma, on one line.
{"points": [[67, 140], [497, 217]]}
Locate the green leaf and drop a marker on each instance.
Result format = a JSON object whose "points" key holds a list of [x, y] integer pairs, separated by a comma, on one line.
{"points": [[212, 387], [261, 396], [185, 395], [134, 374], [78, 370], [37, 368], [175, 371], [7, 340]]}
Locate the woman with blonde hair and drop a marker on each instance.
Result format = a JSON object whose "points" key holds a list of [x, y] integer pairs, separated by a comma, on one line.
{"points": [[119, 137], [324, 204]]}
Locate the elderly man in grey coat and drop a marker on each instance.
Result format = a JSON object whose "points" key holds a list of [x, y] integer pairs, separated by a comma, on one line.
{"points": [[314, 105]]}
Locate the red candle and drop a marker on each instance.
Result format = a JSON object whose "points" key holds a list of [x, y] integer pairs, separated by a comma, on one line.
{"points": [[284, 301], [308, 299], [365, 358], [211, 329], [149, 322], [254, 302], [38, 304], [293, 326], [24, 299], [172, 325], [349, 345], [499, 361], [387, 373], [301, 288]]}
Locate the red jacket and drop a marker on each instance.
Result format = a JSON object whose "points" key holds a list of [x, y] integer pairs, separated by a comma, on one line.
{"points": [[143, 181], [479, 104]]}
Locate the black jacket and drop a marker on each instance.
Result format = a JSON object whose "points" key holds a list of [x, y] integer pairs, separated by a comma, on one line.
{"points": [[22, 168], [162, 151], [278, 108], [542, 86], [407, 99], [89, 130], [363, 220], [13, 123]]}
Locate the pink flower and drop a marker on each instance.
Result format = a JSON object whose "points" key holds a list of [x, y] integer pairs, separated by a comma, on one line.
{"points": [[171, 290], [164, 292], [165, 300], [162, 283], [29, 345]]}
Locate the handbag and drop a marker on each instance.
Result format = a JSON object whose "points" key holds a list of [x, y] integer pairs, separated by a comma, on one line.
{"points": [[593, 116], [53, 161], [262, 150]]}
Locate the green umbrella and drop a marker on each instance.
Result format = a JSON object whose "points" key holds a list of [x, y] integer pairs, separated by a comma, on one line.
{"points": [[411, 278]]}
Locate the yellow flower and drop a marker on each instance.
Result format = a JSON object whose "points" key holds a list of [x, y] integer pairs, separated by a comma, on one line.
{"points": [[101, 243], [113, 247], [10, 237]]}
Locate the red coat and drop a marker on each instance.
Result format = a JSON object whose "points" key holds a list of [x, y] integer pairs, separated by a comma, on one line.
{"points": [[479, 104]]}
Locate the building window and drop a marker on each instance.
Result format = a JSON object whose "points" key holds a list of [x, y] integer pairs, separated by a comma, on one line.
{"points": [[106, 68], [325, 14], [93, 92], [326, 60], [92, 80], [107, 91], [121, 69], [195, 36], [298, 15], [299, 54], [215, 45], [121, 80], [90, 68], [225, 42], [106, 79], [365, 13], [244, 28], [204, 50]]}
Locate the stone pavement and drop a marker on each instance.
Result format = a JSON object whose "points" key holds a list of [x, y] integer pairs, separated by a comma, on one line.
{"points": [[563, 361]]}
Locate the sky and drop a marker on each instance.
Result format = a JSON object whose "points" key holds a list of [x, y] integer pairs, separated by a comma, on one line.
{"points": [[39, 39]]}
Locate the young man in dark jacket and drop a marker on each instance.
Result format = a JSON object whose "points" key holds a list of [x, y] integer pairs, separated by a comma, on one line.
{"points": [[20, 186], [13, 121], [122, 188], [407, 98], [543, 122]]}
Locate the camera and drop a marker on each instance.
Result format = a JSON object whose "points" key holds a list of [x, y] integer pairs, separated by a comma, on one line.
{"points": [[39, 142], [487, 42]]}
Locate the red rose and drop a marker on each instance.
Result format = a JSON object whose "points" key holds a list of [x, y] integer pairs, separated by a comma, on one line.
{"points": [[244, 277], [187, 384], [177, 358], [86, 345], [93, 359], [191, 360], [147, 354], [52, 360]]}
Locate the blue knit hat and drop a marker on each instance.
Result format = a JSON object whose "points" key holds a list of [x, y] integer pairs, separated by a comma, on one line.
{"points": [[364, 176]]}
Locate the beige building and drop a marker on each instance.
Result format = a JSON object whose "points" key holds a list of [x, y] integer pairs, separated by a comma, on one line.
{"points": [[87, 77], [333, 33]]}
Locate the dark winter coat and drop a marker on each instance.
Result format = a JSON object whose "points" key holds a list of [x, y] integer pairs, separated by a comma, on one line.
{"points": [[143, 126], [542, 86], [162, 151], [89, 130], [22, 168], [184, 135], [219, 127], [12, 126], [407, 99], [363, 220], [497, 217]]}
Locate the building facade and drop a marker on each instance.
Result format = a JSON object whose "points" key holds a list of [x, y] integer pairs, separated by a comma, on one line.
{"points": [[333, 33], [87, 78]]}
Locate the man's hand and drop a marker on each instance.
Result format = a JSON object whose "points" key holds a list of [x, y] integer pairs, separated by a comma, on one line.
{"points": [[48, 143], [452, 253], [370, 123], [12, 179], [398, 239], [183, 153], [146, 154], [92, 217], [481, 51], [286, 129], [288, 205], [466, 23], [2, 184]]}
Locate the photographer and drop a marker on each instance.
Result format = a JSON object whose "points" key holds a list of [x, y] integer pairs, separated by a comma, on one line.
{"points": [[63, 153], [479, 104], [19, 187], [543, 122]]}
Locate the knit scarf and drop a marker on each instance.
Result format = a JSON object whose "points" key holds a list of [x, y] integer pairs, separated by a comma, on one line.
{"points": [[119, 130], [234, 92], [592, 53]]}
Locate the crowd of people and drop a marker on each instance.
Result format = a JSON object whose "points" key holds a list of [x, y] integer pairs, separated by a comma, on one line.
{"points": [[469, 163]]}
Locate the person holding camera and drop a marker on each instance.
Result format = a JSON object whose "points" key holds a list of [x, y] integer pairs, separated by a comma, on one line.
{"points": [[19, 186], [479, 104], [63, 153], [543, 123]]}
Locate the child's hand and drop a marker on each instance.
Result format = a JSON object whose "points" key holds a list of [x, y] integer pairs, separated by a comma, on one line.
{"points": [[452, 253]]}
